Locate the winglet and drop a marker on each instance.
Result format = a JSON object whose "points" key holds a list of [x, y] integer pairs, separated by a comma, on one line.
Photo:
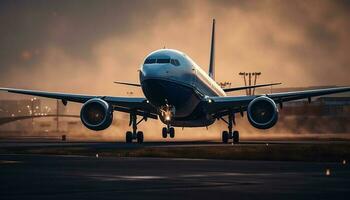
{"points": [[212, 53]]}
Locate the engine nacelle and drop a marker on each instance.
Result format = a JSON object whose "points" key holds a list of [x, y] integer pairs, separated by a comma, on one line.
{"points": [[96, 114], [262, 113]]}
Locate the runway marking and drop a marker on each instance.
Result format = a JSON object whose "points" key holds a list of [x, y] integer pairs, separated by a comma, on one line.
{"points": [[193, 175], [128, 178], [9, 161], [243, 174], [142, 177]]}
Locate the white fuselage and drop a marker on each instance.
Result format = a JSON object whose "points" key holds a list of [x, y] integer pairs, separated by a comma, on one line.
{"points": [[170, 77]]}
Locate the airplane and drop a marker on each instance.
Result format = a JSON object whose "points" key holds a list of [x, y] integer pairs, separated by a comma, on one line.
{"points": [[179, 93]]}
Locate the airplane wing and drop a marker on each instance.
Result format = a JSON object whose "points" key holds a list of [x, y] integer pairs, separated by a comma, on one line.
{"points": [[138, 105], [221, 106]]}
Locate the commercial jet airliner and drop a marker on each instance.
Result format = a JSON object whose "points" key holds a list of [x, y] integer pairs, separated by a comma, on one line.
{"points": [[181, 94]]}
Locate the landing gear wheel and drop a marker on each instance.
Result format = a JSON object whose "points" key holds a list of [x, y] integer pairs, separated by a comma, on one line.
{"points": [[172, 132], [235, 136], [164, 132], [139, 137], [128, 137], [225, 137]]}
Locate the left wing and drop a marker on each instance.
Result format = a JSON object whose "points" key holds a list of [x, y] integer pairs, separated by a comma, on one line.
{"points": [[221, 106], [138, 105]]}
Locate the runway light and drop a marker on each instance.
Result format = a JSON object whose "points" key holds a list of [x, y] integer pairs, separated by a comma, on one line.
{"points": [[267, 144], [344, 162], [328, 172]]}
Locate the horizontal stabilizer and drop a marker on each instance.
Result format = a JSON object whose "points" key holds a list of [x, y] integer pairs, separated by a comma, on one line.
{"points": [[248, 87], [126, 83]]}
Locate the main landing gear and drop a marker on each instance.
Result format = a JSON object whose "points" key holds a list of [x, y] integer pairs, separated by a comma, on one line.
{"points": [[134, 134], [230, 134], [168, 130]]}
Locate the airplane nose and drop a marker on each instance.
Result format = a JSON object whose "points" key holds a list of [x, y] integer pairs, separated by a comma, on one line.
{"points": [[153, 71]]}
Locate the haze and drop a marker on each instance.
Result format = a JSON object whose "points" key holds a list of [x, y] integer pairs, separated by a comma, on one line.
{"points": [[83, 46]]}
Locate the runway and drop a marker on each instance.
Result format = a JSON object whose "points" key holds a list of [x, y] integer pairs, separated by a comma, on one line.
{"points": [[123, 145], [81, 177]]}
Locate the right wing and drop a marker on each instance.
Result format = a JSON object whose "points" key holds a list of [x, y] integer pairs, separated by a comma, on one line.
{"points": [[137, 105]]}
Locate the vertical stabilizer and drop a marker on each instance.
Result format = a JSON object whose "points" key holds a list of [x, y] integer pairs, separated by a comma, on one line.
{"points": [[212, 53]]}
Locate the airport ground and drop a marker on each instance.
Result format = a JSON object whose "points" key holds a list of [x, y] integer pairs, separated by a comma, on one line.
{"points": [[89, 177], [52, 169]]}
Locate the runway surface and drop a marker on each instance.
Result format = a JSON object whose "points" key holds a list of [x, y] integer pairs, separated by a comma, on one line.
{"points": [[123, 145], [79, 177]]}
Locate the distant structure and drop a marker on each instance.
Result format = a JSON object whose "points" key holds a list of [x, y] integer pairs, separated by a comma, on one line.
{"points": [[250, 75], [15, 110], [225, 84]]}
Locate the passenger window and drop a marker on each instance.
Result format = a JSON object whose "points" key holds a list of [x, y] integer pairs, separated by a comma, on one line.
{"points": [[175, 62], [163, 60], [150, 61]]}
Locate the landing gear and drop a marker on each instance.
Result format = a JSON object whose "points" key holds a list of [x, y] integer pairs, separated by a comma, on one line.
{"points": [[230, 134], [128, 137], [168, 130], [139, 137], [168, 112], [164, 132], [134, 134], [171, 132], [235, 136], [225, 137]]}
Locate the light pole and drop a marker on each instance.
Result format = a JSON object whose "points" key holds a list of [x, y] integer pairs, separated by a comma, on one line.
{"points": [[249, 91]]}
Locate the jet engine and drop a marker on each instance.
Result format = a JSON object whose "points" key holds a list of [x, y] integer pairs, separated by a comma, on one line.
{"points": [[96, 114], [262, 113]]}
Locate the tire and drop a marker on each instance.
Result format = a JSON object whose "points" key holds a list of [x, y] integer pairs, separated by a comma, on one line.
{"points": [[139, 137], [235, 136], [172, 132], [164, 132], [128, 137], [225, 137]]}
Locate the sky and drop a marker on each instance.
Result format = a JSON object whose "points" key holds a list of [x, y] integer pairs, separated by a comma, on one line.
{"points": [[83, 46]]}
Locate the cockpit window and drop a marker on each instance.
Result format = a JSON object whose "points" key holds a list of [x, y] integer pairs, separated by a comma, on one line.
{"points": [[175, 62], [150, 61], [163, 60]]}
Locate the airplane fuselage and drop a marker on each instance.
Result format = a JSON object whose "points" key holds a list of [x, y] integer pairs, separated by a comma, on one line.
{"points": [[170, 77]]}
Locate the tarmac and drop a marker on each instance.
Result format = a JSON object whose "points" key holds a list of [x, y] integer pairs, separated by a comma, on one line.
{"points": [[97, 177]]}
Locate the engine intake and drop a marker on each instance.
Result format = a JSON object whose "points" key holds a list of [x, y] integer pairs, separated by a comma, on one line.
{"points": [[262, 113], [96, 114]]}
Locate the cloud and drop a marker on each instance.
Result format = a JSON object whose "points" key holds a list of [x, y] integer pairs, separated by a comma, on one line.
{"points": [[64, 45]]}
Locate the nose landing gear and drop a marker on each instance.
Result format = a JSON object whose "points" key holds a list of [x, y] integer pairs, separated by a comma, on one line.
{"points": [[168, 112], [168, 130]]}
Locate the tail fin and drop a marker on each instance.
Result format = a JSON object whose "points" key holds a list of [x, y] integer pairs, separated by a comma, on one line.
{"points": [[212, 53]]}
